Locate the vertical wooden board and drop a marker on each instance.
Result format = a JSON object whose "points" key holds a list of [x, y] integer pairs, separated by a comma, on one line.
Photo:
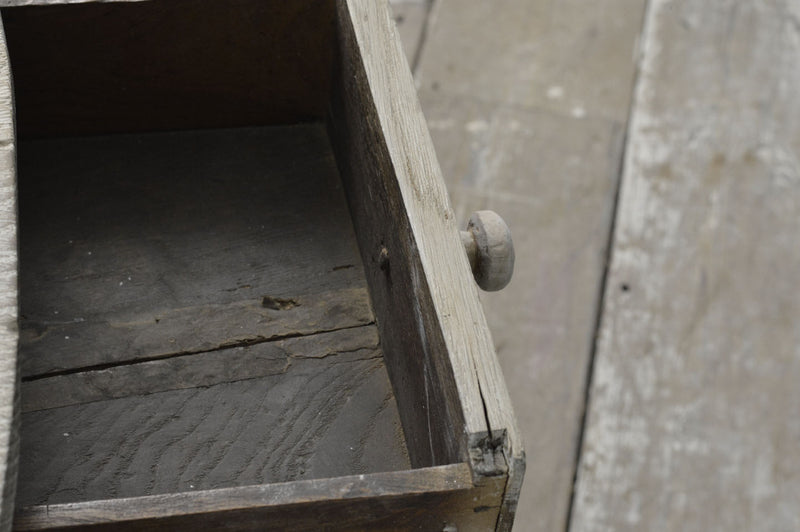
{"points": [[553, 179], [415, 260], [693, 421], [572, 56], [9, 395]]}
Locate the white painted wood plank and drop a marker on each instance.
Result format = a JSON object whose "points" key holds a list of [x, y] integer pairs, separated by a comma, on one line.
{"points": [[694, 419], [9, 396]]}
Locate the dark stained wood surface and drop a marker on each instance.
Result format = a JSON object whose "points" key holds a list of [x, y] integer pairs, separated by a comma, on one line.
{"points": [[436, 498], [196, 369], [175, 64], [135, 247], [195, 316], [323, 416]]}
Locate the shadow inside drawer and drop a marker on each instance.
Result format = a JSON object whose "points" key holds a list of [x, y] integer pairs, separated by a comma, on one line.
{"points": [[194, 315]]}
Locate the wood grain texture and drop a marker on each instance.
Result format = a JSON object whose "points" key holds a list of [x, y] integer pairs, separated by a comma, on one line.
{"points": [[421, 499], [194, 370], [168, 65], [440, 354], [330, 413], [693, 419], [143, 246], [9, 392]]}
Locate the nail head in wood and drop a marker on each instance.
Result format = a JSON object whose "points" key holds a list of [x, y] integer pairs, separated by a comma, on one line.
{"points": [[490, 250]]}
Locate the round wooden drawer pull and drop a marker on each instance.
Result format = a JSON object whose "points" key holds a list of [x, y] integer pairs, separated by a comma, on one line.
{"points": [[490, 250]]}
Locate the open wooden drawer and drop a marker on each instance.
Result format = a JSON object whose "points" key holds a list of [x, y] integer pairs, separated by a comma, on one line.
{"points": [[244, 303]]}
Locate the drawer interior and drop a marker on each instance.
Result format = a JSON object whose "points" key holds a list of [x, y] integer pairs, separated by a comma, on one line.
{"points": [[194, 308], [194, 315], [243, 296]]}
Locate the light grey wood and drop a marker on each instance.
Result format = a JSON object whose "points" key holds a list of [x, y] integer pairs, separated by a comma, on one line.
{"points": [[693, 420], [414, 260], [145, 246], [329, 413], [527, 101], [9, 393]]}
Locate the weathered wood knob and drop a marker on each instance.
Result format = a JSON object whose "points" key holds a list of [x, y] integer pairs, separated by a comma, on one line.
{"points": [[490, 250]]}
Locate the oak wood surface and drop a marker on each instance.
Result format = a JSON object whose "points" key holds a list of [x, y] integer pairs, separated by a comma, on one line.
{"points": [[693, 419]]}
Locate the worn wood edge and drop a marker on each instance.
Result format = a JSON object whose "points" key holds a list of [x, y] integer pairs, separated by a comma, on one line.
{"points": [[412, 341], [9, 375], [516, 474], [197, 370], [439, 479], [481, 386]]}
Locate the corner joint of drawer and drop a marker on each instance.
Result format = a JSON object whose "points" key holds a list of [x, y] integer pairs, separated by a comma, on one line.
{"points": [[487, 454]]}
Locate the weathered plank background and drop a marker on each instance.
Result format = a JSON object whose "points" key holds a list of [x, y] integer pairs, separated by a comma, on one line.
{"points": [[693, 421], [693, 400]]}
